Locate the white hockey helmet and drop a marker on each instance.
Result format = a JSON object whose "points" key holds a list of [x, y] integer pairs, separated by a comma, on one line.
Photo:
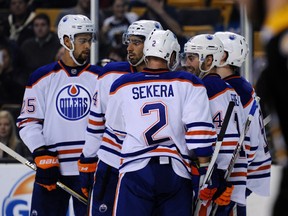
{"points": [[140, 28], [70, 25], [161, 44], [236, 46], [204, 45]]}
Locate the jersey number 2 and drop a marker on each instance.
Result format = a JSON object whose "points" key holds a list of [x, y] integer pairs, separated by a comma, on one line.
{"points": [[161, 122]]}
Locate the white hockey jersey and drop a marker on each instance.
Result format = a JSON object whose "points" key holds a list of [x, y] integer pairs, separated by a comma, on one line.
{"points": [[220, 94], [160, 113], [259, 156], [55, 111], [106, 149]]}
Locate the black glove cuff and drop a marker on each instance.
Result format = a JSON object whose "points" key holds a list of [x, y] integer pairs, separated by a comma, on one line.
{"points": [[43, 152], [88, 160]]}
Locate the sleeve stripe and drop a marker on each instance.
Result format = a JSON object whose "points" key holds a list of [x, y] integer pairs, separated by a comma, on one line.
{"points": [[106, 140], [201, 132], [96, 123]]}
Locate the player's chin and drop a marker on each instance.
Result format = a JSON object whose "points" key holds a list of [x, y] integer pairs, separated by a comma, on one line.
{"points": [[190, 69], [130, 57], [85, 55], [133, 60], [193, 70], [81, 60]]}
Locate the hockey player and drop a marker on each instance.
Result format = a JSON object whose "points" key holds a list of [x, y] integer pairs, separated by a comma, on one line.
{"points": [[103, 192], [202, 55], [258, 179], [161, 117], [54, 117]]}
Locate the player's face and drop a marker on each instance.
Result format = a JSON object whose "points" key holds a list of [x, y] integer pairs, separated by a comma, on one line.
{"points": [[134, 49], [82, 43], [190, 63]]}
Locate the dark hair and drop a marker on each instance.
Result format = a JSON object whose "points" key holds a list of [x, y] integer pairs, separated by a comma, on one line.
{"points": [[44, 17]]}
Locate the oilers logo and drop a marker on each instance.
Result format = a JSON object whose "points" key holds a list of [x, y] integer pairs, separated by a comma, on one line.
{"points": [[73, 102], [18, 200]]}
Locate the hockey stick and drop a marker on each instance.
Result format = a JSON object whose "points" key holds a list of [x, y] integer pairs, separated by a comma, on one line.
{"points": [[32, 166], [267, 119], [218, 144], [238, 146]]}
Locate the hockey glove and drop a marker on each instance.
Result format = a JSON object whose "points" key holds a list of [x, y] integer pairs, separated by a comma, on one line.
{"points": [[87, 167], [223, 195], [47, 172], [198, 174], [197, 177]]}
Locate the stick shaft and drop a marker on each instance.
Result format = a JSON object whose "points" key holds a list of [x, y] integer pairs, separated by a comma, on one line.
{"points": [[219, 141], [238, 146], [218, 144], [24, 161]]}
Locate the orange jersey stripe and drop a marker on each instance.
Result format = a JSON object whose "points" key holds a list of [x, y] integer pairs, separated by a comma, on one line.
{"points": [[105, 139], [267, 167], [237, 174], [30, 120], [70, 151], [220, 93], [170, 151], [201, 132], [96, 123], [228, 143], [150, 81]]}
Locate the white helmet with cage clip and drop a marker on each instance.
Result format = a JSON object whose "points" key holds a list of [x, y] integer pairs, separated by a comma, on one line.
{"points": [[204, 45], [140, 28], [162, 44], [70, 25], [236, 47]]}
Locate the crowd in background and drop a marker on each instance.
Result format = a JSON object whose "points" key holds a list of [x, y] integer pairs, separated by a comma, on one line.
{"points": [[28, 39]]}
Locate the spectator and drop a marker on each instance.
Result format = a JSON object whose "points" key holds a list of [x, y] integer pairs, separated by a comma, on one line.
{"points": [[59, 53], [40, 49], [9, 137], [11, 87], [158, 10], [53, 3], [115, 25], [82, 7], [116, 54], [19, 23], [6, 42]]}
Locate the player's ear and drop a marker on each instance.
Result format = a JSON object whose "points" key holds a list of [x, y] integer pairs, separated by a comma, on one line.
{"points": [[67, 42], [209, 60], [224, 57]]}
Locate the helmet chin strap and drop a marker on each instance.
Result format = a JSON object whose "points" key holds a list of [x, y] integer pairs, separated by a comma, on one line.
{"points": [[138, 63], [204, 71], [173, 67], [73, 58], [71, 53], [224, 64]]}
